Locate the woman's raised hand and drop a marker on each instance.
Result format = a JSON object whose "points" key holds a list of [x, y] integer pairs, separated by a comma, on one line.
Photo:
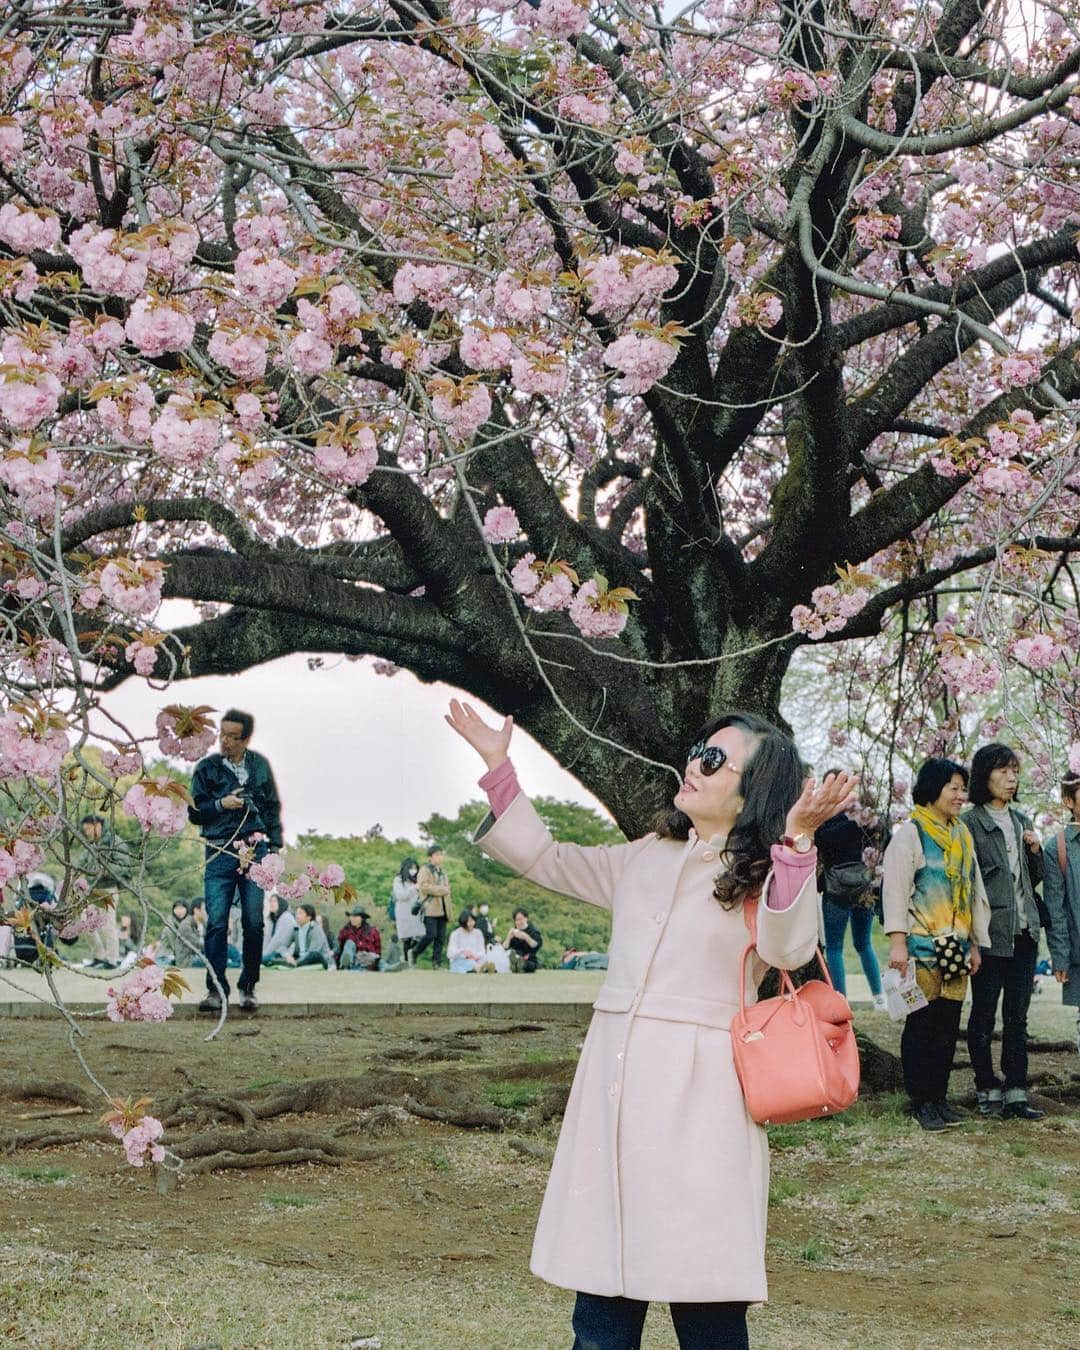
{"points": [[490, 743], [820, 802]]}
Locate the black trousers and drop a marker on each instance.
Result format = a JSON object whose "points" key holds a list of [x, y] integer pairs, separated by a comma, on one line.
{"points": [[927, 1048], [434, 932], [1010, 980], [616, 1324]]}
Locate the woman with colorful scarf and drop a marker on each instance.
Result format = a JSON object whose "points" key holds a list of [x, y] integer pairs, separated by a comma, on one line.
{"points": [[936, 914]]}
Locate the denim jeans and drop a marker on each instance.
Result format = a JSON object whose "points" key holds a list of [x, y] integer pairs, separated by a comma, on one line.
{"points": [[616, 1324], [836, 922], [1009, 979], [222, 881]]}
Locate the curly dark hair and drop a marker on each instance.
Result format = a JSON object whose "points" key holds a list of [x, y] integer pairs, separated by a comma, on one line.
{"points": [[772, 780]]}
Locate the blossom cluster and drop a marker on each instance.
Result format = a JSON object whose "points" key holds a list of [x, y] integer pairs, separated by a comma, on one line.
{"points": [[140, 1140], [139, 998]]}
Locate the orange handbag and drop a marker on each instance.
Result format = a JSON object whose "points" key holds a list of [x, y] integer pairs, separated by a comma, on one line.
{"points": [[795, 1054]]}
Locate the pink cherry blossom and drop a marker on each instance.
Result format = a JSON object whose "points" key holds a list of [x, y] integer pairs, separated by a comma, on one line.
{"points": [[28, 396], [262, 278], [333, 874], [483, 349], [133, 587], [593, 620], [139, 1142], [191, 743], [25, 229], [641, 360], [554, 593], [348, 455], [142, 656], [244, 354], [1037, 653], [89, 921], [186, 433], [156, 811], [158, 326], [563, 18], [464, 407], [501, 525], [1074, 757], [311, 354], [523, 576], [268, 872], [1019, 369], [31, 745], [112, 263], [139, 998]]}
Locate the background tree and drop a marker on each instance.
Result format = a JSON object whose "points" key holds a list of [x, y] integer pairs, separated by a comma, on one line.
{"points": [[592, 358]]}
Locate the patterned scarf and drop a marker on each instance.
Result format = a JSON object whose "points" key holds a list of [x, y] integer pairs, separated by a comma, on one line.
{"points": [[956, 843]]}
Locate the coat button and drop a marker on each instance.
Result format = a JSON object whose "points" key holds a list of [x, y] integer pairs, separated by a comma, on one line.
{"points": [[613, 1089], [661, 916], [708, 855]]}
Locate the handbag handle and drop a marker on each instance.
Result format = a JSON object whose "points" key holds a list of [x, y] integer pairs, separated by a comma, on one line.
{"points": [[750, 919]]}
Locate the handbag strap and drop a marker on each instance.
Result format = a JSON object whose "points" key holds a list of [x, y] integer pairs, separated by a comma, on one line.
{"points": [[750, 909], [1062, 863]]}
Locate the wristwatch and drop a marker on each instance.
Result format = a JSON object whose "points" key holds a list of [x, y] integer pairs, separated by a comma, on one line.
{"points": [[802, 843]]}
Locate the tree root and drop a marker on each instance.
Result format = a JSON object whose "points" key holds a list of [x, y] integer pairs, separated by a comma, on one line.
{"points": [[468, 1117], [50, 1137], [881, 1070], [201, 1107], [530, 1149], [224, 1159], [277, 1140], [50, 1090]]}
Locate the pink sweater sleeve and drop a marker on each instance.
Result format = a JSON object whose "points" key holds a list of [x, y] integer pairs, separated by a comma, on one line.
{"points": [[789, 875], [502, 786]]}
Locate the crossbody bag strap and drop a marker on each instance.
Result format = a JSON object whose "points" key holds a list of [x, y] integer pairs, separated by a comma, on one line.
{"points": [[1062, 861]]}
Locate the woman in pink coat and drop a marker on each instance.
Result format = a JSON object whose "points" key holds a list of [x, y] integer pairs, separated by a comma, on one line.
{"points": [[659, 1187]]}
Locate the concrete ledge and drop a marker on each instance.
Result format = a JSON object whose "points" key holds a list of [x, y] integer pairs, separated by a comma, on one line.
{"points": [[349, 1012]]}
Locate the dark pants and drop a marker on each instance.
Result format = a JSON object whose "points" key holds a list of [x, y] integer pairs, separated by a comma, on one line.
{"points": [[222, 880], [616, 1324], [1010, 980], [434, 932], [927, 1048]]}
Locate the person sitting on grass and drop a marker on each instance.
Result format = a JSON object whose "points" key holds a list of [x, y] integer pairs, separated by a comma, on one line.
{"points": [[523, 942], [359, 943], [278, 931], [467, 950], [309, 946], [187, 942]]}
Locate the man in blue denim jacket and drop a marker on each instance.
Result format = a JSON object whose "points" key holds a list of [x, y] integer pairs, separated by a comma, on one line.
{"points": [[236, 798]]}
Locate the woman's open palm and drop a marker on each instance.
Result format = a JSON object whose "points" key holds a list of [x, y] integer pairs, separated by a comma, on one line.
{"points": [[490, 743], [820, 802]]}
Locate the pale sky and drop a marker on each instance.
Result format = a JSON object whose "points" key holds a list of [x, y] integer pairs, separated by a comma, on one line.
{"points": [[349, 747]]}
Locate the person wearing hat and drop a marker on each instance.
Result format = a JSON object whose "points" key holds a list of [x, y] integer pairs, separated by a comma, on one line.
{"points": [[359, 945], [434, 887]]}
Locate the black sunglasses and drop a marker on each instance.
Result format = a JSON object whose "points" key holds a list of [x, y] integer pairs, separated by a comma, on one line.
{"points": [[712, 758]]}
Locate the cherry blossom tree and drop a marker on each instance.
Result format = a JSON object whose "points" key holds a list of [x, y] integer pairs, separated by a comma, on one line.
{"points": [[591, 357]]}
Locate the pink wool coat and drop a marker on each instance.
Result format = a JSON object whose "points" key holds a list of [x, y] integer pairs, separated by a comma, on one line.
{"points": [[660, 1184]]}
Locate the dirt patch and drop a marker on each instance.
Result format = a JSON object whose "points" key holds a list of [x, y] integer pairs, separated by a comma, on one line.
{"points": [[418, 1230]]}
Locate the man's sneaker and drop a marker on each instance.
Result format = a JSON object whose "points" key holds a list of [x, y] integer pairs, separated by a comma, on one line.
{"points": [[210, 1004], [990, 1102], [248, 1001], [948, 1115], [929, 1117], [879, 1003]]}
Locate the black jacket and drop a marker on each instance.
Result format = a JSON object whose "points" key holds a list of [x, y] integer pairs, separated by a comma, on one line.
{"points": [[214, 779]]}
